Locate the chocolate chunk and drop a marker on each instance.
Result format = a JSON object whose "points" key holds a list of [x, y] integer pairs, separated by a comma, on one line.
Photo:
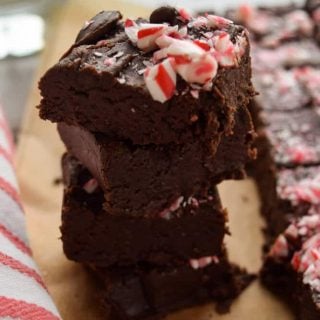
{"points": [[98, 26], [164, 14]]}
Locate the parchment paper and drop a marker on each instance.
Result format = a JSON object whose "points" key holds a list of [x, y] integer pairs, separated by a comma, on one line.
{"points": [[38, 165]]}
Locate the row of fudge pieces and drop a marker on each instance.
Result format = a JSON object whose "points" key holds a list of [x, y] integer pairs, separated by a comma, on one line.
{"points": [[286, 71], [153, 114]]}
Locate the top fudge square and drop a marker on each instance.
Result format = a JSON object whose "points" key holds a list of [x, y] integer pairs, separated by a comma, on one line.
{"points": [[172, 79]]}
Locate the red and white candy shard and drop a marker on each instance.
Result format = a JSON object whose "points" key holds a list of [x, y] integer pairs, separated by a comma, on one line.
{"points": [[203, 262], [225, 51], [91, 186], [144, 35], [280, 247], [161, 80], [195, 60], [167, 212], [218, 22], [201, 70], [307, 190]]}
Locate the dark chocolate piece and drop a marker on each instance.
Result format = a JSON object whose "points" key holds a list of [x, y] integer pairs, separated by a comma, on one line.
{"points": [[165, 14], [144, 180], [98, 27], [135, 293], [191, 229]]}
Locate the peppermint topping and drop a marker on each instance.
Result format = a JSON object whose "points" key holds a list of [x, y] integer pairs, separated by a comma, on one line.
{"points": [[275, 29], [167, 213], [306, 258], [161, 80], [91, 186], [306, 190], [203, 262], [195, 60]]}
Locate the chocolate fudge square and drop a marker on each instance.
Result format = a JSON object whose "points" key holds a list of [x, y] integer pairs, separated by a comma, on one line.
{"points": [[144, 180], [286, 194], [291, 138], [99, 84], [191, 229], [152, 293], [291, 268], [271, 27]]}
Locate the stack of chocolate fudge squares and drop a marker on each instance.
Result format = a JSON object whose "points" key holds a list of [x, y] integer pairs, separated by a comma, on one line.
{"points": [[286, 60], [154, 114]]}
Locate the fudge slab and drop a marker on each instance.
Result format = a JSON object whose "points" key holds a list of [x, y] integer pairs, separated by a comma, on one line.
{"points": [[152, 294], [274, 26], [291, 138], [85, 89], [144, 180], [291, 268], [192, 229], [286, 193]]}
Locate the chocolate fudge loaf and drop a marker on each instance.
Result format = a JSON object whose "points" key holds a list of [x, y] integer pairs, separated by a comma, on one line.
{"points": [[291, 269], [144, 180], [190, 229], [114, 80], [137, 293]]}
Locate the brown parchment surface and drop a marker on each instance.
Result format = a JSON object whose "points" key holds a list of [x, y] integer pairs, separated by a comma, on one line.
{"points": [[38, 165]]}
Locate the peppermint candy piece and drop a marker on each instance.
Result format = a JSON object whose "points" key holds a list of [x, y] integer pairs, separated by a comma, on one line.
{"points": [[91, 186], [203, 262], [225, 51], [218, 22], [161, 80], [144, 35], [193, 62], [148, 34], [200, 70]]}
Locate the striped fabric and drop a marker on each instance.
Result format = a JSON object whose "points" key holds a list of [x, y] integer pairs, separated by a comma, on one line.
{"points": [[23, 294]]}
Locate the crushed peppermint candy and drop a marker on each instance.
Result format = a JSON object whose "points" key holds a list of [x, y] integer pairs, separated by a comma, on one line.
{"points": [[178, 53], [109, 61], [273, 28], [167, 213], [161, 80], [306, 258], [97, 54], [203, 262], [91, 186], [305, 190]]}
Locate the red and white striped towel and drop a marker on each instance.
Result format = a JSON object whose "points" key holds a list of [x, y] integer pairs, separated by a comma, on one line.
{"points": [[23, 294]]}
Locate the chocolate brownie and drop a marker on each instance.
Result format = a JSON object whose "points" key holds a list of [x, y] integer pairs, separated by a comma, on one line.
{"points": [[288, 90], [144, 180], [190, 229], [291, 268], [137, 293], [286, 194], [113, 81], [271, 27]]}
